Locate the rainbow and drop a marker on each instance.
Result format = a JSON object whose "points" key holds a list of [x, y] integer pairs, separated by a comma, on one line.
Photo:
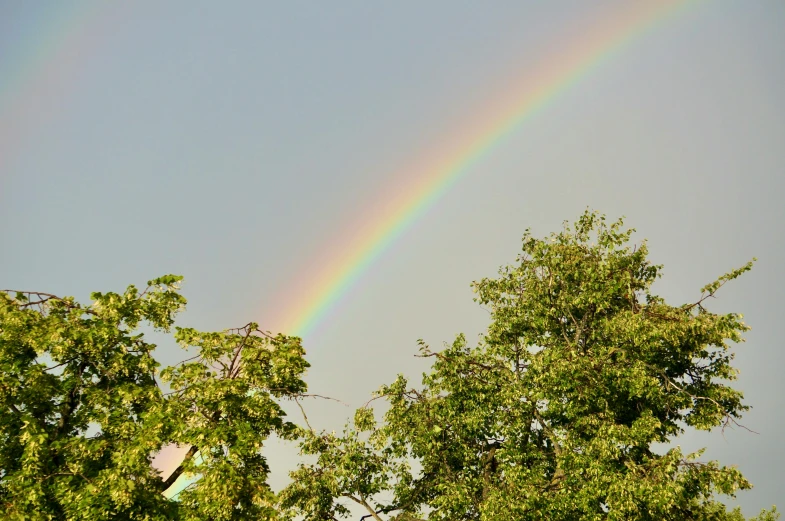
{"points": [[43, 64], [25, 81], [319, 295]]}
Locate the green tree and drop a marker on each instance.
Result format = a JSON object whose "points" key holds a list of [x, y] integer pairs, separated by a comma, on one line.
{"points": [[81, 410], [554, 414]]}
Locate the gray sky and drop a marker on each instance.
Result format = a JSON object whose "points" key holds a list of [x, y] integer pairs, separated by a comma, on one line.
{"points": [[233, 142]]}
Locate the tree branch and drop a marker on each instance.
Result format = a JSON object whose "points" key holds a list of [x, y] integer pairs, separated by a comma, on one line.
{"points": [[168, 482], [728, 419], [234, 371], [72, 402], [488, 469], [365, 504], [558, 474], [44, 298], [305, 417]]}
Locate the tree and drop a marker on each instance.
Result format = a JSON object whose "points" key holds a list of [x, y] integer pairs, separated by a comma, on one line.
{"points": [[82, 412], [553, 415]]}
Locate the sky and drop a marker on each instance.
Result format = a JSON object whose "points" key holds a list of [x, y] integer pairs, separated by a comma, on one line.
{"points": [[247, 145]]}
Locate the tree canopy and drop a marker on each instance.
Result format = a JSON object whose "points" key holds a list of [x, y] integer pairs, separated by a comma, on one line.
{"points": [[83, 412], [553, 414]]}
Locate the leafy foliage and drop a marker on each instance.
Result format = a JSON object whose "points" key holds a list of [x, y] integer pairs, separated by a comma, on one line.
{"points": [[82, 412], [553, 415]]}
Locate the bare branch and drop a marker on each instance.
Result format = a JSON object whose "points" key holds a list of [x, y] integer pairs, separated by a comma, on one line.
{"points": [[307, 395], [361, 501], [305, 417], [180, 468], [234, 370]]}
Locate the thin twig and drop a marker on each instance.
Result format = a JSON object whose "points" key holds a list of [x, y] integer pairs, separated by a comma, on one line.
{"points": [[305, 417]]}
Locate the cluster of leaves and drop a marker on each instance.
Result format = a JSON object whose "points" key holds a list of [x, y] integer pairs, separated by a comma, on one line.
{"points": [[552, 416], [82, 413]]}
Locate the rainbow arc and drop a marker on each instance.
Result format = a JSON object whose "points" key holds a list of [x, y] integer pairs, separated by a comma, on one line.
{"points": [[316, 297], [435, 175]]}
